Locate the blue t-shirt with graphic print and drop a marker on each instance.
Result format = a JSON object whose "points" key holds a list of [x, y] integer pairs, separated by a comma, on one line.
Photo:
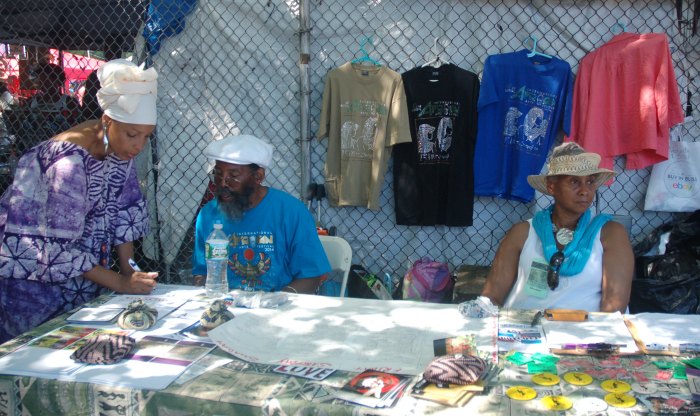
{"points": [[523, 103], [274, 243]]}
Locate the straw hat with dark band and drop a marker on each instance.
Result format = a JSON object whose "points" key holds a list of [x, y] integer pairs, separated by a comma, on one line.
{"points": [[571, 159]]}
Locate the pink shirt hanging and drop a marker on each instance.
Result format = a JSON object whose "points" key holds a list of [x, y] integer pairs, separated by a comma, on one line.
{"points": [[626, 100]]}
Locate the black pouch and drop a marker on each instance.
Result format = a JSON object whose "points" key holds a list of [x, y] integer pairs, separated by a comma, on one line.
{"points": [[359, 283]]}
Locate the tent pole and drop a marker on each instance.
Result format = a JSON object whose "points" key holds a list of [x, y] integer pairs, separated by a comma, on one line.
{"points": [[304, 93]]}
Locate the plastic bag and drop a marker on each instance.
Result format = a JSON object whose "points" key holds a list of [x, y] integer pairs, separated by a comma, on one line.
{"points": [[673, 184], [428, 281], [669, 283]]}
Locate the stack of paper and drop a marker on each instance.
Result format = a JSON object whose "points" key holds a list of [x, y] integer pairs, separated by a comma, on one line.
{"points": [[453, 395], [96, 316], [600, 328], [678, 330], [49, 355], [154, 363]]}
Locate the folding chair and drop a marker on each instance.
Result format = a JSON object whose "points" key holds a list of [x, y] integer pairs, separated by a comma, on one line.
{"points": [[339, 255]]}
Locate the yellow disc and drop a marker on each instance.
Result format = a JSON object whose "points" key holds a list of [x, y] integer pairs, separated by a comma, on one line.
{"points": [[620, 400], [615, 386], [556, 403], [578, 379], [545, 379], [521, 393]]}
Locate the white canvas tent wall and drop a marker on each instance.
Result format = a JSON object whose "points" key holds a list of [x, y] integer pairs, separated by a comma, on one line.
{"points": [[234, 69]]}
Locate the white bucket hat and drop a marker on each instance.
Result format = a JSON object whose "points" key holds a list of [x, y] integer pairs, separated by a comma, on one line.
{"points": [[571, 159]]}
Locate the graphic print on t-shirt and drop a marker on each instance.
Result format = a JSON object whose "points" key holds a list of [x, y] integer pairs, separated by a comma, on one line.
{"points": [[250, 256], [358, 132], [433, 124], [528, 117]]}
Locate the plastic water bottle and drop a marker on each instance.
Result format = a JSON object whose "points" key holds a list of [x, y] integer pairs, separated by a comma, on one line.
{"points": [[216, 254]]}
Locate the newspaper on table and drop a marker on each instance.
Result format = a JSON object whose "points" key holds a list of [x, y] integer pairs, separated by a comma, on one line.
{"points": [[350, 334]]}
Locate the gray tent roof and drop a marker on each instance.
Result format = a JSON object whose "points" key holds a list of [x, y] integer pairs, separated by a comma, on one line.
{"points": [[72, 24]]}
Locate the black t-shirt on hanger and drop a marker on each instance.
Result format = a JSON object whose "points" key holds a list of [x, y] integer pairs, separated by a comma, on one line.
{"points": [[433, 175]]}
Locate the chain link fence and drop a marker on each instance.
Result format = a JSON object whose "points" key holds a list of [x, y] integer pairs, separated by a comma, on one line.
{"points": [[258, 67]]}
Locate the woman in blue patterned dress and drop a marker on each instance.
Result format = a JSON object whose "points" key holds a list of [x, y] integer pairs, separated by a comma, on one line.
{"points": [[73, 198]]}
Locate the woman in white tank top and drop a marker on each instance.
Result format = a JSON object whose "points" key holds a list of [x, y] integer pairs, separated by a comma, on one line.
{"points": [[565, 257]]}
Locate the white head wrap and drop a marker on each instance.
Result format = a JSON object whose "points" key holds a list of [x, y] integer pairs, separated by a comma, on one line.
{"points": [[128, 92]]}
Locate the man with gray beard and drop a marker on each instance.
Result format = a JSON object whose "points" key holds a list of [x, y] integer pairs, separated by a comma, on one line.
{"points": [[273, 244]]}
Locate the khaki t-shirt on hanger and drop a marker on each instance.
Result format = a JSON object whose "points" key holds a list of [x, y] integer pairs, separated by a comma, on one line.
{"points": [[363, 114]]}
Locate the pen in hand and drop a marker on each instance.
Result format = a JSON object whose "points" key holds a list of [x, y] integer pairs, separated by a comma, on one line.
{"points": [[134, 266]]}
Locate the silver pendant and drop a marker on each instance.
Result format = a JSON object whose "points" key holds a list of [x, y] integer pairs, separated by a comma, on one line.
{"points": [[564, 236]]}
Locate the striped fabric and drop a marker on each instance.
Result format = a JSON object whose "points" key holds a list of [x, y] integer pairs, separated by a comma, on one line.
{"points": [[455, 369], [104, 349]]}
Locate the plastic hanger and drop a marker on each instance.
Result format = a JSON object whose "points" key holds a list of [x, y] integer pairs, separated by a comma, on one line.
{"points": [[365, 57], [618, 24], [533, 51], [437, 62]]}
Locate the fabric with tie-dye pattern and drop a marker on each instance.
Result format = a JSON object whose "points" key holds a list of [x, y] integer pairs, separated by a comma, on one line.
{"points": [[60, 218]]}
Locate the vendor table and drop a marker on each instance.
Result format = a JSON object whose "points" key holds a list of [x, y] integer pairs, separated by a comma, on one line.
{"points": [[223, 384]]}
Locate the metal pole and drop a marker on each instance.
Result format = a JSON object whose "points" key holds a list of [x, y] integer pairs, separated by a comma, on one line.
{"points": [[304, 92]]}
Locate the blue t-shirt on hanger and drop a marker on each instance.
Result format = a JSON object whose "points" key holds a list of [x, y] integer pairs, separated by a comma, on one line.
{"points": [[523, 103]]}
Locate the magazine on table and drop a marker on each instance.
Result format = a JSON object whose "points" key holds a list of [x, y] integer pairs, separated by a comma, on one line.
{"points": [[374, 388], [458, 345], [521, 330]]}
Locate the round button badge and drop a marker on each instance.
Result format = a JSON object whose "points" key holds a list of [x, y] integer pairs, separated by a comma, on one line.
{"points": [[578, 379], [545, 379], [590, 406], [556, 403], [521, 393], [615, 386], [620, 400]]}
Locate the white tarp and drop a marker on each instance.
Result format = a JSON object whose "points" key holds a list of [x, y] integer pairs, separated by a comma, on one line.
{"points": [[234, 70]]}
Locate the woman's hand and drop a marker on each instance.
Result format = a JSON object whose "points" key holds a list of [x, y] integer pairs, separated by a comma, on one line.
{"points": [[135, 283], [138, 283]]}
